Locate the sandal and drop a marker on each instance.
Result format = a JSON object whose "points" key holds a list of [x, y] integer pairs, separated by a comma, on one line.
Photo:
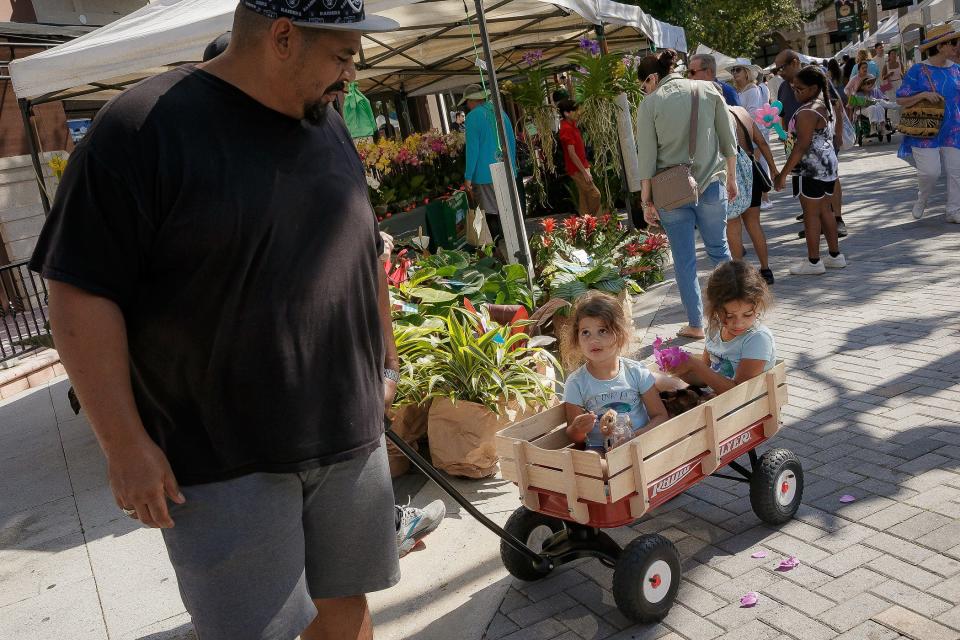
{"points": [[689, 332]]}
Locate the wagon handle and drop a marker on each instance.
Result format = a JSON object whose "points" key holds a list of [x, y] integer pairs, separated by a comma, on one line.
{"points": [[539, 562]]}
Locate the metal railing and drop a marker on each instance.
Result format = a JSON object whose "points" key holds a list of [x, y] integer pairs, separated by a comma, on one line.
{"points": [[23, 311]]}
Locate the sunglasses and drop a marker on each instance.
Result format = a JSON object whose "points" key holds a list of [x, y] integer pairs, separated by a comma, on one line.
{"points": [[693, 72], [736, 70]]}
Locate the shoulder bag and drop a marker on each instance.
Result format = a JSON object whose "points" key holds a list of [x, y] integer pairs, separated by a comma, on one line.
{"points": [[925, 118], [766, 184], [676, 187]]}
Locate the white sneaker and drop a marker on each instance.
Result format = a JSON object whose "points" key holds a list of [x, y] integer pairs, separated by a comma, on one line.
{"points": [[834, 263], [415, 524], [806, 268], [954, 217], [918, 211], [766, 205]]}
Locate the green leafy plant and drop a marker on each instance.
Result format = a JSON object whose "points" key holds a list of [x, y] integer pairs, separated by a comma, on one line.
{"points": [[531, 96], [472, 359]]}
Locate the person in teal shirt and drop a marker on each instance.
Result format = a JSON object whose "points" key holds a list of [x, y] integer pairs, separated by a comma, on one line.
{"points": [[483, 149]]}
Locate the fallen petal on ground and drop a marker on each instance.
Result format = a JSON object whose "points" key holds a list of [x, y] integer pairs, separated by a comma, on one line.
{"points": [[749, 600]]}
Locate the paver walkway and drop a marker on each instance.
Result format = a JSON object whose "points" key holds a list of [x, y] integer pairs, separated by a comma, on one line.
{"points": [[873, 355], [874, 359]]}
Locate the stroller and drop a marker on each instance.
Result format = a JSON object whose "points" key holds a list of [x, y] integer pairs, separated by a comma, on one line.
{"points": [[868, 104]]}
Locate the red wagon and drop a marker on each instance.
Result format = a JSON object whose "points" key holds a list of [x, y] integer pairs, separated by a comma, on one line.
{"points": [[568, 498]]}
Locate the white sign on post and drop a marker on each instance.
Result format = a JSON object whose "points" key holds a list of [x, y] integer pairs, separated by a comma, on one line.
{"points": [[511, 235]]}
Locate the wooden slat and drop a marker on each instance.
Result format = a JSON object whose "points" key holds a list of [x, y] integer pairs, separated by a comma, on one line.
{"points": [[641, 502], [751, 413], [673, 430], [556, 439], [746, 392], [530, 499], [577, 509], [587, 488], [772, 425], [536, 425], [683, 451], [712, 461]]}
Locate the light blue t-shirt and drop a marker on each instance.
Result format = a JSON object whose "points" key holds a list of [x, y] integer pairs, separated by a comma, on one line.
{"points": [[755, 344], [623, 394]]}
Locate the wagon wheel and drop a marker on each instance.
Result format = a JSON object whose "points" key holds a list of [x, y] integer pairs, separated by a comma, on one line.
{"points": [[646, 578], [776, 486], [534, 529]]}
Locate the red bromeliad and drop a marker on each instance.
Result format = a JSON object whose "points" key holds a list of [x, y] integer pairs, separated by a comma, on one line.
{"points": [[549, 225], [589, 224], [572, 226]]}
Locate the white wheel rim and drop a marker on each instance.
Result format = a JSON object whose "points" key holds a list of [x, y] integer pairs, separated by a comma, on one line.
{"points": [[537, 537], [656, 582], [786, 488]]}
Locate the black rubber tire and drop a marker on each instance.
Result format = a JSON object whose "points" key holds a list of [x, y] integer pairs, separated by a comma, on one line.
{"points": [[628, 577], [764, 488], [521, 524]]}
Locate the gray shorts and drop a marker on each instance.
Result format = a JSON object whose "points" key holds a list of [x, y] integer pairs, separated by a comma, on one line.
{"points": [[251, 553]]}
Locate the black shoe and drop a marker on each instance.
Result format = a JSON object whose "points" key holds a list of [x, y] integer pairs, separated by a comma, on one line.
{"points": [[767, 275], [800, 217], [841, 229], [802, 234]]}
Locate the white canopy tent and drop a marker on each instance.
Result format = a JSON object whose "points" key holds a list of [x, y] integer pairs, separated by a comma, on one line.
{"points": [[886, 31], [723, 60], [436, 40]]}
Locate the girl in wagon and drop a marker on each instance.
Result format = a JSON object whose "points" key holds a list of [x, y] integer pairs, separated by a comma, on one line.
{"points": [[738, 346], [606, 380]]}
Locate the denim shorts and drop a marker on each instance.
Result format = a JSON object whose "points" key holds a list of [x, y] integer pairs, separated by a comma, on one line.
{"points": [[251, 554]]}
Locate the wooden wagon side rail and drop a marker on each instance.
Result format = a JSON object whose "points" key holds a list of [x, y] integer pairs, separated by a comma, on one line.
{"points": [[653, 467]]}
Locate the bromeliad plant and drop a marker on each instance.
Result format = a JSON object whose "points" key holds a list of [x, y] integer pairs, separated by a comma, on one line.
{"points": [[472, 359], [436, 283], [537, 115], [586, 252], [597, 76]]}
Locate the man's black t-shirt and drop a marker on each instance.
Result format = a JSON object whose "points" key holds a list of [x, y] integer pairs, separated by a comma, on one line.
{"points": [[241, 248]]}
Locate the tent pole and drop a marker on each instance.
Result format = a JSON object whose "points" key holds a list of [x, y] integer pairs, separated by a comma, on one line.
{"points": [[34, 145], [624, 187], [517, 218]]}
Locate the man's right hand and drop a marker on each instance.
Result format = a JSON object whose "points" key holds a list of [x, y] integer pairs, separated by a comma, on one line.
{"points": [[142, 480]]}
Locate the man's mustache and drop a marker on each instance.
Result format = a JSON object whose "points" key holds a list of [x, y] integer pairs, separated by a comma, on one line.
{"points": [[336, 87]]}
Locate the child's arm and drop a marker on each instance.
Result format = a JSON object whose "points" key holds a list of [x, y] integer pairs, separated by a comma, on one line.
{"points": [[698, 372], [806, 124], [579, 422], [655, 409], [761, 143]]}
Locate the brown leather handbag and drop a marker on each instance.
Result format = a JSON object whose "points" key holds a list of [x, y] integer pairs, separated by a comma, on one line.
{"points": [[675, 186], [925, 118]]}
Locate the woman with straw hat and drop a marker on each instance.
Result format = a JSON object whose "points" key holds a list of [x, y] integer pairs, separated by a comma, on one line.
{"points": [[936, 80], [744, 81]]}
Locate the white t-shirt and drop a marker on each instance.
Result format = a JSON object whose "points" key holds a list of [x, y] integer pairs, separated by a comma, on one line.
{"points": [[751, 99], [623, 393]]}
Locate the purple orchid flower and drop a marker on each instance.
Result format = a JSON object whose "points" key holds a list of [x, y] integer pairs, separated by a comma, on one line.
{"points": [[531, 58], [590, 46]]}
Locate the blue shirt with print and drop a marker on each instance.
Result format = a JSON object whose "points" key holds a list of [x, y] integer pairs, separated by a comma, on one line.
{"points": [[622, 393], [754, 344]]}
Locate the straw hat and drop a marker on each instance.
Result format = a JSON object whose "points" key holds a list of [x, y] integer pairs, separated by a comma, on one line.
{"points": [[937, 34], [752, 69], [474, 92]]}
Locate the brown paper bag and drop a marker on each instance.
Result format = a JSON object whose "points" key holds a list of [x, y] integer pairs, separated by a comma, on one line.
{"points": [[410, 423], [462, 436], [478, 233]]}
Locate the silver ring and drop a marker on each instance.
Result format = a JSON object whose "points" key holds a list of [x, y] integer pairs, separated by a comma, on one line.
{"points": [[132, 513]]}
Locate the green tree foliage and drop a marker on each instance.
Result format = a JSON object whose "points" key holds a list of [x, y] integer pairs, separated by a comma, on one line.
{"points": [[734, 28]]}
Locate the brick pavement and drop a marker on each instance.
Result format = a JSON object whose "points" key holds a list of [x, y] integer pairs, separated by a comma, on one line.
{"points": [[873, 355]]}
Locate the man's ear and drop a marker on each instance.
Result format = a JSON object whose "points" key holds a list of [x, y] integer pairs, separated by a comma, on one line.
{"points": [[281, 38]]}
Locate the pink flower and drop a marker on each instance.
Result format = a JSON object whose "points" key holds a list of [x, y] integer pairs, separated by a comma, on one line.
{"points": [[668, 357]]}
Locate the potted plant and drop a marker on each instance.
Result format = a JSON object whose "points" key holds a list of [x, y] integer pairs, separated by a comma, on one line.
{"points": [[481, 378], [537, 117], [408, 414]]}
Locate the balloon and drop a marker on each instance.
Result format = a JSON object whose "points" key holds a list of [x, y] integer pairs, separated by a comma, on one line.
{"points": [[768, 118], [780, 132], [776, 104]]}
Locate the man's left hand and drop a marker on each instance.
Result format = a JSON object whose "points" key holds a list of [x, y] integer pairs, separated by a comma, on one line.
{"points": [[389, 393]]}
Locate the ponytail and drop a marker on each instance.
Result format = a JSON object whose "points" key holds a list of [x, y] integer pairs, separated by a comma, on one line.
{"points": [[812, 76]]}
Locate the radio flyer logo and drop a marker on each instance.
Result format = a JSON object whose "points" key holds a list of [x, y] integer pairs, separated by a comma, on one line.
{"points": [[670, 481], [735, 443]]}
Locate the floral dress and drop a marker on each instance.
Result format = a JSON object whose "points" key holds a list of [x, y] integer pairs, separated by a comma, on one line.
{"points": [[946, 82]]}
